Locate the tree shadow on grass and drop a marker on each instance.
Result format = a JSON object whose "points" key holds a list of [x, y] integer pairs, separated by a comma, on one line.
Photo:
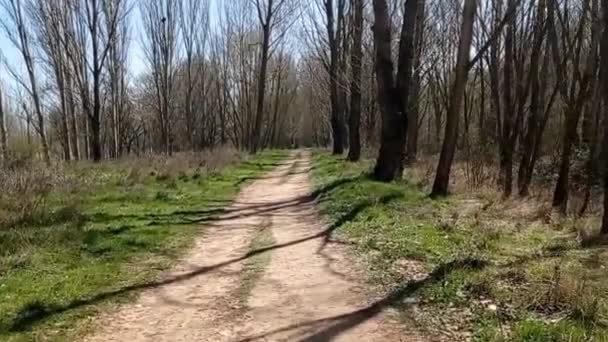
{"points": [[237, 211], [282, 178], [327, 188], [350, 216], [38, 311]]}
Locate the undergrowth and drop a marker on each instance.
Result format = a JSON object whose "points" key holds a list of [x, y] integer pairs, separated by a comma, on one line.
{"points": [[538, 281], [97, 242], [254, 267]]}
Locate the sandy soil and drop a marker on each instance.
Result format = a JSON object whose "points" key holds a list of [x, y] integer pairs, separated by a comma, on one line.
{"points": [[309, 291]]}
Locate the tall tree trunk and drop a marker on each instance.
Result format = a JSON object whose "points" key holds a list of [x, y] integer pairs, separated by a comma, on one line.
{"points": [[604, 85], [3, 140], [14, 11], [66, 139], [40, 120], [343, 52], [590, 139], [28, 129], [65, 136], [266, 31], [537, 92], [573, 114], [337, 124], [354, 152], [411, 151], [393, 95], [95, 114], [540, 110], [71, 107], [444, 168], [508, 119], [41, 128]]}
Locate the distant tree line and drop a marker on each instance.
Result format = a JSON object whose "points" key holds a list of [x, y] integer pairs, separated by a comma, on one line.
{"points": [[515, 84]]}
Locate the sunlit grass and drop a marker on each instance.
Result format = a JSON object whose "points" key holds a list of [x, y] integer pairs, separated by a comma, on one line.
{"points": [[106, 236], [534, 273]]}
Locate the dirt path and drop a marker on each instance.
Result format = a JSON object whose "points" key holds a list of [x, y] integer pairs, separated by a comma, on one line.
{"points": [[306, 292]]}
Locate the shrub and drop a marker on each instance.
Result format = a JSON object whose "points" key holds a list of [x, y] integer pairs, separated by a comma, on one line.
{"points": [[25, 188], [565, 292], [182, 166]]}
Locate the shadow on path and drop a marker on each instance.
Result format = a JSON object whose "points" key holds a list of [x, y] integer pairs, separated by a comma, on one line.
{"points": [[331, 327], [37, 311]]}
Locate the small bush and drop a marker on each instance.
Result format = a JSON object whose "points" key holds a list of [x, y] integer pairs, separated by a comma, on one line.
{"points": [[25, 189], [566, 292], [163, 177], [133, 176], [162, 196], [182, 166]]}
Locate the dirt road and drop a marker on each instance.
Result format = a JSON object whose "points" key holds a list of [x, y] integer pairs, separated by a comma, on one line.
{"points": [[306, 290]]}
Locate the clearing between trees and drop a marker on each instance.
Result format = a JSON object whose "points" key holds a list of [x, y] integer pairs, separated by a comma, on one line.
{"points": [[311, 249], [226, 290]]}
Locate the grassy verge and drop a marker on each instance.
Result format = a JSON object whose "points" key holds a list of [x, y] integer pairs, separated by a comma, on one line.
{"points": [[254, 267], [467, 268], [100, 242]]}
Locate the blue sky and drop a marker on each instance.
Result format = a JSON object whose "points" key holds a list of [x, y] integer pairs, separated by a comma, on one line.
{"points": [[137, 63]]}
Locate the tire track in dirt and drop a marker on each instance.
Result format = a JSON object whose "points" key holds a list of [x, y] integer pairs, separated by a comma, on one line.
{"points": [[198, 308], [308, 292]]}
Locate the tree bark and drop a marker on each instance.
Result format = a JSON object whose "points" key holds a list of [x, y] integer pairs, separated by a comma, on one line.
{"points": [[604, 85], [354, 152], [266, 31], [442, 178], [508, 119], [15, 12], [393, 94], [337, 124], [73, 120], [537, 92], [573, 114], [3, 140], [411, 152]]}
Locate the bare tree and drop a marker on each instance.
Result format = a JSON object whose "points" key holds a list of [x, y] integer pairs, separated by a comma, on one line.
{"points": [[117, 75], [393, 94], [194, 21], [604, 86], [3, 140], [537, 117], [271, 14], [354, 151], [442, 177], [160, 22], [337, 114], [574, 97], [51, 15], [414, 102], [98, 25], [508, 120], [15, 23]]}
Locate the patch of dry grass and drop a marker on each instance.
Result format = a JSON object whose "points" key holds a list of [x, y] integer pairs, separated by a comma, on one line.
{"points": [[105, 235], [547, 279]]}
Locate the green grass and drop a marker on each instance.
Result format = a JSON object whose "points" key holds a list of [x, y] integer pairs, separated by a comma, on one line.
{"points": [[254, 266], [545, 285], [99, 243]]}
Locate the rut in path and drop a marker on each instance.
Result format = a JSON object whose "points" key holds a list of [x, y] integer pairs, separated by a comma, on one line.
{"points": [[307, 292]]}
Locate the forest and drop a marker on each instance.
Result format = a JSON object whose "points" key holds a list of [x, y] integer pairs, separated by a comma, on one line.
{"points": [[458, 148]]}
